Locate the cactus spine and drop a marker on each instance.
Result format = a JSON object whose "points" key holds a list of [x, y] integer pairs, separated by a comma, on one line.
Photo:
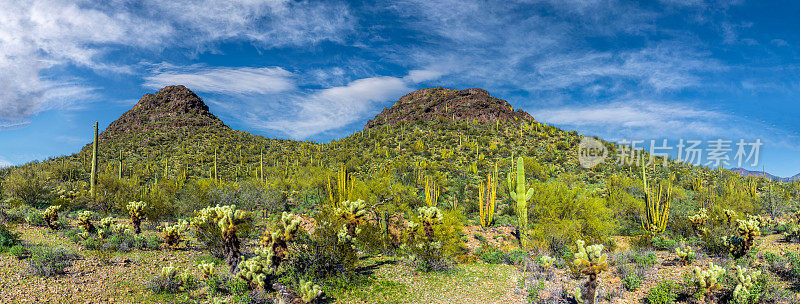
{"points": [[521, 197], [489, 199], [93, 180]]}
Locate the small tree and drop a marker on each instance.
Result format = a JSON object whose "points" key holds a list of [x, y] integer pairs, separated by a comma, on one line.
{"points": [[136, 211], [219, 226]]}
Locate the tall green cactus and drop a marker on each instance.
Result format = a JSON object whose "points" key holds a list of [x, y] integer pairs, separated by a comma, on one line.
{"points": [[521, 196], [93, 180]]}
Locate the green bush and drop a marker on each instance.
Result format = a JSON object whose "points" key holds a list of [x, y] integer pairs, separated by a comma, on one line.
{"points": [[495, 256], [18, 251], [7, 238], [663, 293], [45, 261], [642, 260], [663, 243], [631, 282]]}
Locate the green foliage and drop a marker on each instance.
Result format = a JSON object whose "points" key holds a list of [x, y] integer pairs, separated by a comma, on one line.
{"points": [[432, 239], [28, 185], [45, 261], [663, 243], [663, 293], [631, 282], [18, 251], [7, 237], [644, 260]]}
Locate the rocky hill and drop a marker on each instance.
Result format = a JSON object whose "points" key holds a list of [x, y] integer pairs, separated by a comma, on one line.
{"points": [[169, 108], [745, 172], [460, 105]]}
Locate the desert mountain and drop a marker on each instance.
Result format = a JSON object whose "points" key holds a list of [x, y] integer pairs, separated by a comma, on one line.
{"points": [[459, 105]]}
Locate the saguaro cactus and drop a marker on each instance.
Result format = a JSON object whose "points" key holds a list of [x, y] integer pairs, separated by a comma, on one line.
{"points": [[93, 179], [589, 261], [136, 211], [521, 197]]}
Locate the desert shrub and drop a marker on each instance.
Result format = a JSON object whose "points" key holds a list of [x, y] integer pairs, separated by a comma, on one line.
{"points": [[45, 261], [27, 185], [663, 293], [432, 239], [322, 254], [7, 238], [644, 260], [663, 243], [492, 255], [631, 282], [167, 281], [18, 251], [567, 213]]}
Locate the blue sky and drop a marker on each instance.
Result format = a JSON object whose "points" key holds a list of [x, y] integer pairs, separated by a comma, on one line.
{"points": [[318, 70]]}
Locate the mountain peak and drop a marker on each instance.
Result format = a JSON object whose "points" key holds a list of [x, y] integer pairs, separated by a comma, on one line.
{"points": [[170, 107], [464, 105]]}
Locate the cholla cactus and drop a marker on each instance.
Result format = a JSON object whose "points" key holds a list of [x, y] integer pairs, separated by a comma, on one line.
{"points": [[354, 214], [706, 279], [547, 261], [276, 241], [206, 269], [169, 272], [745, 283], [136, 211], [729, 215], [699, 221], [589, 261], [51, 215], [686, 255], [309, 292], [104, 229], [85, 221], [225, 221], [258, 270], [172, 233], [748, 230], [429, 218]]}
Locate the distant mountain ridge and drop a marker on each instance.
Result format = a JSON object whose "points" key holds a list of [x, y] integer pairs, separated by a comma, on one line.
{"points": [[745, 172], [459, 105]]}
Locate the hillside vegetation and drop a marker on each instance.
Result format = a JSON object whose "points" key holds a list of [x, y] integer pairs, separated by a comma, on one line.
{"points": [[443, 188]]}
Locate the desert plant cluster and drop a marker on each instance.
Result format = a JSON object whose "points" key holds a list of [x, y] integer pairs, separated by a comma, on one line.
{"points": [[224, 216]]}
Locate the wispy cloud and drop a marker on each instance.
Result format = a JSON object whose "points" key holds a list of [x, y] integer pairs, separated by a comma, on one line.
{"points": [[39, 35], [4, 163], [224, 80]]}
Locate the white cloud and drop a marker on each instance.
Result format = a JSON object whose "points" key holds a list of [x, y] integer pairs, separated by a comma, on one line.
{"points": [[336, 107], [39, 35], [225, 80], [4, 163]]}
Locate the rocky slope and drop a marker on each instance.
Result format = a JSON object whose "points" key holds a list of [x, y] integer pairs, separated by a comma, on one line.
{"points": [[170, 107], [464, 105]]}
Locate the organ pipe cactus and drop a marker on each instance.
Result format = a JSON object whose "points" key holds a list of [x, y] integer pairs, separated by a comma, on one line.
{"points": [[344, 189], [589, 261], [136, 211], [309, 292], [521, 196], [706, 279], [226, 222], [431, 193], [487, 198], [656, 206], [50, 216]]}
